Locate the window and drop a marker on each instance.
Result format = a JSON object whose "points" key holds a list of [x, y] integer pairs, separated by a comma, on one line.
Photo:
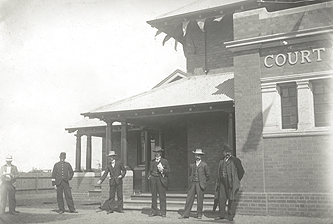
{"points": [[288, 92], [323, 101]]}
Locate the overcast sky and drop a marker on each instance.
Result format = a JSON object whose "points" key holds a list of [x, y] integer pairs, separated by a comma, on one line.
{"points": [[63, 58]]}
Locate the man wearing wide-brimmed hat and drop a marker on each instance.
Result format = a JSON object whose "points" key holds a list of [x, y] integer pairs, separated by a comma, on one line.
{"points": [[9, 173], [199, 174], [117, 173], [158, 176]]}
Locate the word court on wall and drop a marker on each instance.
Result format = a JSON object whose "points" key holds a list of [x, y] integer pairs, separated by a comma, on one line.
{"points": [[304, 56]]}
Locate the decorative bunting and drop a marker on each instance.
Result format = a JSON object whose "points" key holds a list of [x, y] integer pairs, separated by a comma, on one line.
{"points": [[185, 27], [158, 32], [218, 19], [201, 24], [166, 38]]}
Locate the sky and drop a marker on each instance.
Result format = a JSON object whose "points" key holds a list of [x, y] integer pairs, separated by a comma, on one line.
{"points": [[61, 58]]}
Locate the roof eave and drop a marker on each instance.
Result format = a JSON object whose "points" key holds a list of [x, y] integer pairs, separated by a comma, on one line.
{"points": [[204, 13], [163, 111]]}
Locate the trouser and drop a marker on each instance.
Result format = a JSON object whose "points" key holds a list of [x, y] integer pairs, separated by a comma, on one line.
{"points": [[156, 186], [194, 189], [7, 189], [114, 187], [224, 196], [64, 188]]}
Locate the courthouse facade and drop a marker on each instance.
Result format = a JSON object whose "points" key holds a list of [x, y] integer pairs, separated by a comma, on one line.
{"points": [[259, 76]]}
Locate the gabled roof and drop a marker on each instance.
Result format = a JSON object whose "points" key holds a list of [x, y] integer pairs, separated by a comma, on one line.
{"points": [[176, 75], [187, 91]]}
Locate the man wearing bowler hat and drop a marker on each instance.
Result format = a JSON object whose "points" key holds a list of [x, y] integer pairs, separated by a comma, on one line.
{"points": [[62, 173], [9, 173], [199, 174], [158, 176], [229, 173], [117, 173]]}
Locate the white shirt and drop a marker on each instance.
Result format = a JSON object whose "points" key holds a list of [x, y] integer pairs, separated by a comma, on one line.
{"points": [[197, 162], [9, 169]]}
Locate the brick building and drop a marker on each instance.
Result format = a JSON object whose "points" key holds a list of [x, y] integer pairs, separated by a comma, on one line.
{"points": [[259, 76]]}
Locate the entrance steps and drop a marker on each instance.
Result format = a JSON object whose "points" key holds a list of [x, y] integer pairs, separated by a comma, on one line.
{"points": [[175, 202]]}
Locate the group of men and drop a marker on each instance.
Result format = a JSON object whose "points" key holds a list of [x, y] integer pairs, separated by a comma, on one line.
{"points": [[229, 174]]}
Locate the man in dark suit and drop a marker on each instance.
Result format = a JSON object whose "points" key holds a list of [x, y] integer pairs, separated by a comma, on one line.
{"points": [[9, 173], [199, 174], [228, 183], [117, 173], [61, 175], [158, 175]]}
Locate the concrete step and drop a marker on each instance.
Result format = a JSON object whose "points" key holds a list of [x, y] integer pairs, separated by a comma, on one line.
{"points": [[175, 202]]}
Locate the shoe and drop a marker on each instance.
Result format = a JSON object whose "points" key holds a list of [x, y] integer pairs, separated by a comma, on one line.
{"points": [[17, 212], [121, 211], [74, 211], [109, 212], [230, 219], [61, 212], [152, 215], [183, 217], [219, 218]]}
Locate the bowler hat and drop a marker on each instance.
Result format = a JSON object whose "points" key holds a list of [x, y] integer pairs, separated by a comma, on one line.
{"points": [[9, 158], [112, 153], [227, 147], [158, 149], [199, 152]]}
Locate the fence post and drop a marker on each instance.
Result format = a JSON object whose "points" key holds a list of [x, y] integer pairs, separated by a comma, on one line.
{"points": [[37, 183]]}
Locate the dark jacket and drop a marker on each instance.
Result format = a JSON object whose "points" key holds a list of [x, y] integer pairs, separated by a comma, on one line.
{"points": [[115, 171], [62, 171], [232, 181], [203, 174], [153, 171]]}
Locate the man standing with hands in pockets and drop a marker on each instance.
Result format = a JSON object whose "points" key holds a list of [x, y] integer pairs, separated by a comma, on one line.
{"points": [[199, 174], [117, 173]]}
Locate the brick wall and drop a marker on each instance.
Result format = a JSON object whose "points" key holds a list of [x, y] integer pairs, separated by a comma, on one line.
{"points": [[175, 144], [208, 132], [209, 50], [286, 175]]}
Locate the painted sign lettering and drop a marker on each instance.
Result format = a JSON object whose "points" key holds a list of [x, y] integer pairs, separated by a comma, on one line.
{"points": [[292, 58]]}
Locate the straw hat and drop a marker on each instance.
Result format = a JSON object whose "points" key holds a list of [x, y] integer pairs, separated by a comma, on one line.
{"points": [[199, 152], [112, 153]]}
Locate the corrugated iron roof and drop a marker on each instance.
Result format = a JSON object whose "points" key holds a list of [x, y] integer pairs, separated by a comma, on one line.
{"points": [[201, 5], [189, 90]]}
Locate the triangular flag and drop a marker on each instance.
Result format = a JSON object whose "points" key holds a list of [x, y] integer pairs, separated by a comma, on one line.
{"points": [[201, 24], [218, 19], [158, 32], [185, 27], [166, 38]]}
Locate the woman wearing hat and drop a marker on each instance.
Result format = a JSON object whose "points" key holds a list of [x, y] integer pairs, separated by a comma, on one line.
{"points": [[117, 173], [199, 174], [158, 176]]}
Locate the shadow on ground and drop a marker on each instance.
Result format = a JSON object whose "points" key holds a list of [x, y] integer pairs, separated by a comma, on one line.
{"points": [[37, 217]]}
